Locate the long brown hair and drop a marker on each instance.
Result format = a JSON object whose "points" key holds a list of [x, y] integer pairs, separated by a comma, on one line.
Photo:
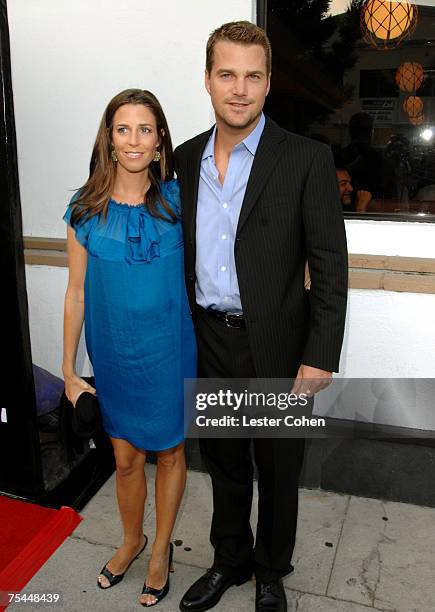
{"points": [[95, 194]]}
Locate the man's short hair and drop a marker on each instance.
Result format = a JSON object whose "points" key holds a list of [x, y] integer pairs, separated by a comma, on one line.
{"points": [[242, 33]]}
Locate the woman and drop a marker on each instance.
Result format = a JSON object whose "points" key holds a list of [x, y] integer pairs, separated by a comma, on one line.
{"points": [[126, 281]]}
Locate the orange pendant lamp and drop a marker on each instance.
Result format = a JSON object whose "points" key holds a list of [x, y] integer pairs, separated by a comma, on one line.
{"points": [[409, 76], [413, 106], [386, 23], [417, 120]]}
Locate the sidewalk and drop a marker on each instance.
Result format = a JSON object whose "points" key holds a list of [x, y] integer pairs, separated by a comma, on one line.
{"points": [[352, 555]]}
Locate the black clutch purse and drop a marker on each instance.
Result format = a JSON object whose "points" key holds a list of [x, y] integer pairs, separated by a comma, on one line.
{"points": [[86, 417]]}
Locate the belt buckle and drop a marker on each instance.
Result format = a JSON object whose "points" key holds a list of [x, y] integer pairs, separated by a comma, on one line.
{"points": [[237, 318], [227, 322]]}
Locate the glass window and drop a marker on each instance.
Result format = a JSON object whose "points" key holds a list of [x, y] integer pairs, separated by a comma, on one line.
{"points": [[360, 77]]}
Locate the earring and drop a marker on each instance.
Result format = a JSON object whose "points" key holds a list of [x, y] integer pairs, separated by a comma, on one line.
{"points": [[113, 155], [157, 156]]}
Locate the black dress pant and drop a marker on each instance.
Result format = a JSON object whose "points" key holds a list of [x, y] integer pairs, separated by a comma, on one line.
{"points": [[224, 352]]}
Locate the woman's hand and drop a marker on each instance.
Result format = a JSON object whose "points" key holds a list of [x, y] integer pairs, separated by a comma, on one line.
{"points": [[75, 386]]}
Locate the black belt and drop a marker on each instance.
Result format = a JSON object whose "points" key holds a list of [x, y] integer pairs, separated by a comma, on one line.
{"points": [[230, 319]]}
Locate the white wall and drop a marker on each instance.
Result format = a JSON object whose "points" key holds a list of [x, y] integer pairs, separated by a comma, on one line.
{"points": [[70, 57], [389, 335], [46, 290]]}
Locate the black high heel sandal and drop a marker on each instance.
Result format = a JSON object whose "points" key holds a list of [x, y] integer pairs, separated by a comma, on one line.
{"points": [[159, 594], [116, 578]]}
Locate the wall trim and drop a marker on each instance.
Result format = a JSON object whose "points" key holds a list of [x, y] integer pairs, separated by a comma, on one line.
{"points": [[382, 272], [49, 244], [390, 273]]}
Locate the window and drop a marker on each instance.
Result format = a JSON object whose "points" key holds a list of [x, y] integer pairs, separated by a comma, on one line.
{"points": [[374, 107]]}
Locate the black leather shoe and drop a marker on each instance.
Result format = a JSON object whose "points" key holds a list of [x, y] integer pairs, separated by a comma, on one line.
{"points": [[207, 591], [159, 594], [116, 578], [270, 597]]}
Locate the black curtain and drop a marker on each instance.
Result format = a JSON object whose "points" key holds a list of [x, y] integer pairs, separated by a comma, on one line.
{"points": [[20, 462]]}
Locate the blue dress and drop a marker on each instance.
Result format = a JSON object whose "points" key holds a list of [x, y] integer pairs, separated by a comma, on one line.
{"points": [[138, 327]]}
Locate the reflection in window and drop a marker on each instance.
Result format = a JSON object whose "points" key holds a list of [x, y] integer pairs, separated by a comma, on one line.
{"points": [[374, 105]]}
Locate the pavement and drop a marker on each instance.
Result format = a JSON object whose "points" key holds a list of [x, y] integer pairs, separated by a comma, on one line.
{"points": [[352, 555]]}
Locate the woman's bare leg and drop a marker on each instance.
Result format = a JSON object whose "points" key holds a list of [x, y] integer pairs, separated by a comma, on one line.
{"points": [[170, 483], [131, 493]]}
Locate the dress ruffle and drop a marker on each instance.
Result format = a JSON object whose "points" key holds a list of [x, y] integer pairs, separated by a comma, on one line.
{"points": [[143, 239], [129, 232]]}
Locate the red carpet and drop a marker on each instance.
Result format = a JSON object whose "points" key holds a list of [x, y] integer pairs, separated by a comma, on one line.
{"points": [[29, 535]]}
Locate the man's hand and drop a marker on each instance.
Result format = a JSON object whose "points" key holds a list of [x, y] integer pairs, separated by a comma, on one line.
{"points": [[311, 380], [363, 199]]}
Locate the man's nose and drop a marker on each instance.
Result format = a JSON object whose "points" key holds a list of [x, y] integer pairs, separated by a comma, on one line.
{"points": [[239, 86]]}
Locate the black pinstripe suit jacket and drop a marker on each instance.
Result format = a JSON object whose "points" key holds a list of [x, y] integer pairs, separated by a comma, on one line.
{"points": [[291, 213]]}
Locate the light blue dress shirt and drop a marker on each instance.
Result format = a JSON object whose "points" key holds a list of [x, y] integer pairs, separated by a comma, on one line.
{"points": [[217, 217]]}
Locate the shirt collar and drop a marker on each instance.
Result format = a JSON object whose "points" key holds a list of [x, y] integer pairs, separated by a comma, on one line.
{"points": [[250, 142]]}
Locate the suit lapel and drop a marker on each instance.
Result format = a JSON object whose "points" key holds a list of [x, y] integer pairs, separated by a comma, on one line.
{"points": [[267, 155], [194, 168]]}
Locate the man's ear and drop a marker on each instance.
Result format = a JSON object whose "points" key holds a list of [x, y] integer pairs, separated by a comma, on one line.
{"points": [[207, 80]]}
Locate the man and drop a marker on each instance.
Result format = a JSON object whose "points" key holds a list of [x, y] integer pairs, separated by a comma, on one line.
{"points": [[345, 187], [257, 203], [362, 197]]}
